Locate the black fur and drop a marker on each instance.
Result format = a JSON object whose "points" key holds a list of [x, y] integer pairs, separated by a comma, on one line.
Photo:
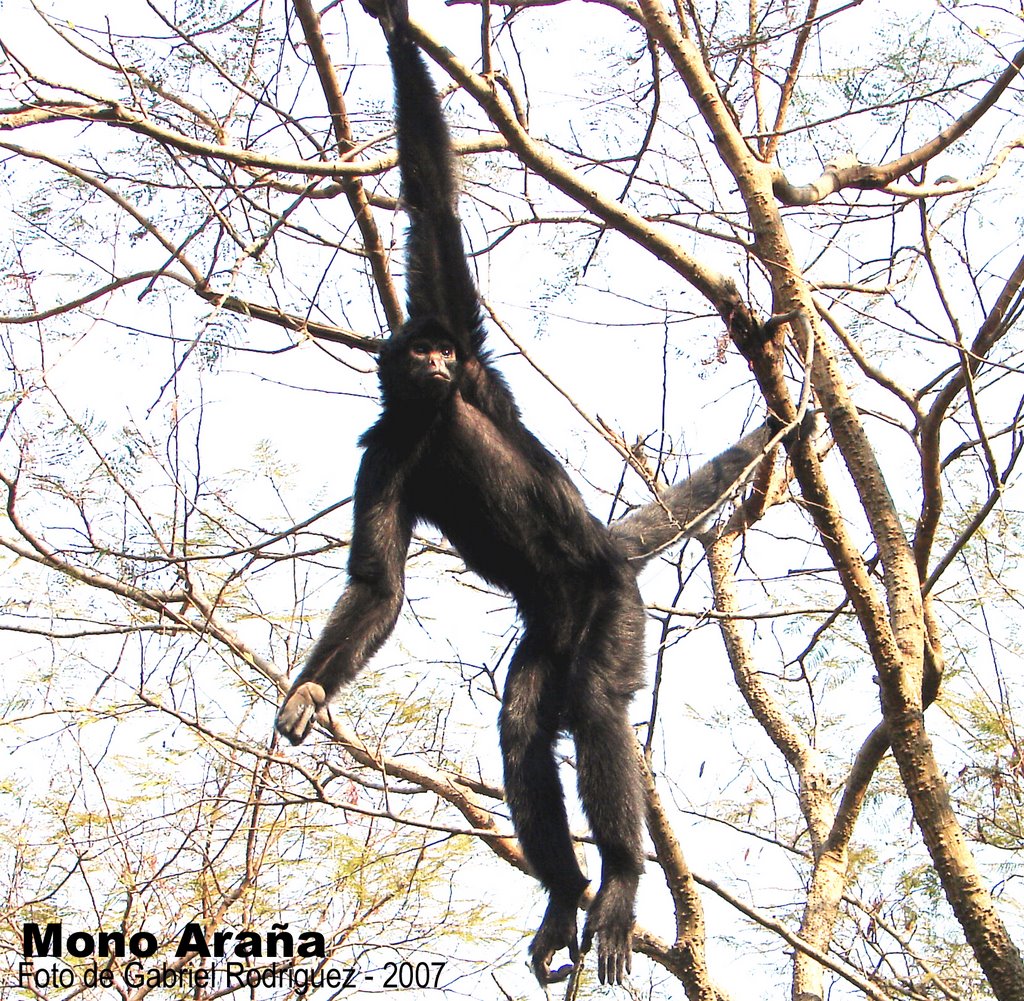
{"points": [[450, 449]]}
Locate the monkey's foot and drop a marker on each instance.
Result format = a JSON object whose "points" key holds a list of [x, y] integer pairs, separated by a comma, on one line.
{"points": [[296, 715], [610, 921], [557, 931]]}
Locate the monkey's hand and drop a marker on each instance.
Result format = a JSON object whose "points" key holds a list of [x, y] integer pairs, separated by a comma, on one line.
{"points": [[297, 712], [392, 14], [557, 931]]}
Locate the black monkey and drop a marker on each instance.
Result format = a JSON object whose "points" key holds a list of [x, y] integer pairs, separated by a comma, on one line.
{"points": [[450, 449]]}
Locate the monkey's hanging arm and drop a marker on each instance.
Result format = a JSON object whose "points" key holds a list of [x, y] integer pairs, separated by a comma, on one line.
{"points": [[429, 190]]}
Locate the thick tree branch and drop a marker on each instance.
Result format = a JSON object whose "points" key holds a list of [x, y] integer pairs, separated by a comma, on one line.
{"points": [[896, 632]]}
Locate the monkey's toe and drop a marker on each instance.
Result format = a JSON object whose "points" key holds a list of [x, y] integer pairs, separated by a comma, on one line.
{"points": [[610, 924]]}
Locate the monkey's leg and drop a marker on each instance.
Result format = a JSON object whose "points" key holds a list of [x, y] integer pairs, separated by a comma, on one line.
{"points": [[529, 724], [609, 780]]}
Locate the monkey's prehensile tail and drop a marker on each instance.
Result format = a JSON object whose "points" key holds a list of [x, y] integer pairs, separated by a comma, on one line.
{"points": [[682, 509]]}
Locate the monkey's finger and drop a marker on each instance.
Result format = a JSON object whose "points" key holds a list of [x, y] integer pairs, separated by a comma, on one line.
{"points": [[545, 975], [301, 727], [588, 938], [561, 974], [294, 726], [295, 718]]}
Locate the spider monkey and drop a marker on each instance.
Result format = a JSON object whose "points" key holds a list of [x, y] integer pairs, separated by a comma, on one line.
{"points": [[449, 449]]}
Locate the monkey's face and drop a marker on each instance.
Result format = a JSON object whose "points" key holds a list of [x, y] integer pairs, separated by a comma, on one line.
{"points": [[419, 365], [432, 365]]}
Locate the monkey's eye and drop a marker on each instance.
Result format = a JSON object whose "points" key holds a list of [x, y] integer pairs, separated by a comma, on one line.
{"points": [[419, 348], [446, 351]]}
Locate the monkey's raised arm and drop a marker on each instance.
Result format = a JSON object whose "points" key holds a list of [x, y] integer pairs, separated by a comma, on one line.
{"points": [[439, 283]]}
